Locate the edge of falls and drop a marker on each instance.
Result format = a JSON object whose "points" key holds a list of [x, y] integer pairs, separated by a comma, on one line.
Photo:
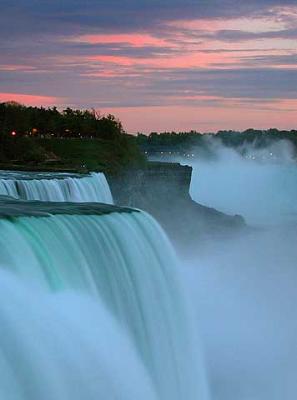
{"points": [[56, 187], [11, 208]]}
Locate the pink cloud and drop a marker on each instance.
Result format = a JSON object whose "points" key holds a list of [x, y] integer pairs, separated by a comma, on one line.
{"points": [[28, 99], [187, 48], [232, 115], [191, 45], [133, 39], [254, 24], [118, 60], [16, 67], [185, 60]]}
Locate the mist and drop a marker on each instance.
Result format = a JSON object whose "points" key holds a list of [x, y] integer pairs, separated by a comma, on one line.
{"points": [[259, 184], [243, 287]]}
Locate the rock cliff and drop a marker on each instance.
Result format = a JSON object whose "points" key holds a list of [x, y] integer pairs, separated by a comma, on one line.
{"points": [[162, 189]]}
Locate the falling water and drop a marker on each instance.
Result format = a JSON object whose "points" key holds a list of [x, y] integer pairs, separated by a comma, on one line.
{"points": [[64, 346], [56, 187], [92, 309]]}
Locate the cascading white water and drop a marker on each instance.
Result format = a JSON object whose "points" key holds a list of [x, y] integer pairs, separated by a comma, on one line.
{"points": [[57, 187], [93, 310], [64, 346]]}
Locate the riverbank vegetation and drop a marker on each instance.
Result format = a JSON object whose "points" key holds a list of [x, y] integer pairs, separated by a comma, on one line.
{"points": [[68, 139], [184, 141], [46, 138]]}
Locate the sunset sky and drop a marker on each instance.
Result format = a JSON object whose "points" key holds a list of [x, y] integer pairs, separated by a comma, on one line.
{"points": [[156, 64]]}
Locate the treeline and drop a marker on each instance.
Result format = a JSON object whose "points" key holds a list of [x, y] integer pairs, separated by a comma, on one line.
{"points": [[168, 138], [186, 140], [33, 136], [19, 120], [259, 138]]}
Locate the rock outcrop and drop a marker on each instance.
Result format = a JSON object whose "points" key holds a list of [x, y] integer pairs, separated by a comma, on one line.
{"points": [[162, 189]]}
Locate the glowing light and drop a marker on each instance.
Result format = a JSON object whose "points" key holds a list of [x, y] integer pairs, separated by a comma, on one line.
{"points": [[13, 133]]}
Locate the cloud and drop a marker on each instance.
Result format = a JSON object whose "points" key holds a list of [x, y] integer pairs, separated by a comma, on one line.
{"points": [[32, 100], [56, 17], [215, 53], [236, 35]]}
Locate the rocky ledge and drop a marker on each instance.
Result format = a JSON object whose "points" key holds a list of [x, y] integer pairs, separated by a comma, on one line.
{"points": [[162, 189]]}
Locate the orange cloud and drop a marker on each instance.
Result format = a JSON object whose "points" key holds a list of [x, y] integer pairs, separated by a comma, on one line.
{"points": [[28, 99]]}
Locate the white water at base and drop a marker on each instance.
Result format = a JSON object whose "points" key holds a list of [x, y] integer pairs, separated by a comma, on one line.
{"points": [[93, 311], [66, 346], [91, 188]]}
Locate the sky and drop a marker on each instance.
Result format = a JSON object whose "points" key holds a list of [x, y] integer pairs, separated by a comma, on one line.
{"points": [[158, 65]]}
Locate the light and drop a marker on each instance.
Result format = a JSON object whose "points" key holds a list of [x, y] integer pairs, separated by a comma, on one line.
{"points": [[13, 133]]}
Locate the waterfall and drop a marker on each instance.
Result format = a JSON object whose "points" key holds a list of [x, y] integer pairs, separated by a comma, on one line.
{"points": [[56, 187], [92, 309], [65, 346]]}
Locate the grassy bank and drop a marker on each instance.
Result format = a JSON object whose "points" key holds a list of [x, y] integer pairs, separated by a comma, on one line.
{"points": [[38, 138], [93, 154], [74, 155]]}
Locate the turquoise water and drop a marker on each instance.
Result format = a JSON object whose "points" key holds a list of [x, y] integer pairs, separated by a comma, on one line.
{"points": [[91, 308], [55, 187]]}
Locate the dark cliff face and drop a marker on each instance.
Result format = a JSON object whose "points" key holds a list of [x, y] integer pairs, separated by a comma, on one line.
{"points": [[162, 189], [155, 183]]}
